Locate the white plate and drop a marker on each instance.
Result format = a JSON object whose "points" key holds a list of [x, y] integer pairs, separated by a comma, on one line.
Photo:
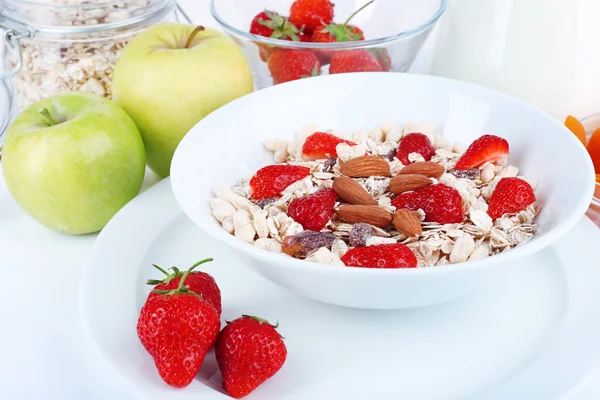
{"points": [[531, 337]]}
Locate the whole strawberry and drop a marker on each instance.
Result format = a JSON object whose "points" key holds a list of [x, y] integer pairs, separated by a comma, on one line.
{"points": [[313, 211], [271, 180], [359, 60], [198, 282], [290, 65], [311, 14], [510, 196], [177, 328], [441, 203], [249, 351], [415, 143], [271, 24]]}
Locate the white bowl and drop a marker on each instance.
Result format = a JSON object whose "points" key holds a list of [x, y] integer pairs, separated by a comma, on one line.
{"points": [[229, 145]]}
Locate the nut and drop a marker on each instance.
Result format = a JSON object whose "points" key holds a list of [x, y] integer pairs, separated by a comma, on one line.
{"points": [[428, 168], [365, 167], [407, 223], [352, 192], [408, 182], [372, 215]]}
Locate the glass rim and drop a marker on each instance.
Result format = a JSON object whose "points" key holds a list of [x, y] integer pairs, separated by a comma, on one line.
{"points": [[329, 46]]}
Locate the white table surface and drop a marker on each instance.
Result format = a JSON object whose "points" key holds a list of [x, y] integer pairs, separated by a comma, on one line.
{"points": [[43, 354]]}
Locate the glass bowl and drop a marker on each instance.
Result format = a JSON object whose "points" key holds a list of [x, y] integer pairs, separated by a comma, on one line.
{"points": [[394, 30], [591, 123]]}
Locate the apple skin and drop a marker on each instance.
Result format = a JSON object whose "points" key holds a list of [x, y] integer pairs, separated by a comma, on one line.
{"points": [[73, 177], [167, 89]]}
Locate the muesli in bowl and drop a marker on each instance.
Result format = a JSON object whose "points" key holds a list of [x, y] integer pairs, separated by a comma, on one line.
{"points": [[397, 196]]}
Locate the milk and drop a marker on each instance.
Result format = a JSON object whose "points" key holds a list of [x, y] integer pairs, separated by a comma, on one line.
{"points": [[546, 52]]}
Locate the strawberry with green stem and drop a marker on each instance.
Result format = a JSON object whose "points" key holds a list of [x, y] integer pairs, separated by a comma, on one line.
{"points": [[177, 328], [272, 25]]}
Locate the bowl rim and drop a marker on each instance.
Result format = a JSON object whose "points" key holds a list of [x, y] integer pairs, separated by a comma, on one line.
{"points": [[286, 262], [329, 46]]}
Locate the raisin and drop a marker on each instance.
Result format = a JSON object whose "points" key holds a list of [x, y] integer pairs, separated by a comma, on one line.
{"points": [[265, 202], [391, 155], [329, 164], [471, 174], [305, 243], [359, 234]]}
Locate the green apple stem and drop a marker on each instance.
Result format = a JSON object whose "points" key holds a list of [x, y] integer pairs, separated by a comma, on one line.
{"points": [[356, 12], [192, 36], [44, 111]]}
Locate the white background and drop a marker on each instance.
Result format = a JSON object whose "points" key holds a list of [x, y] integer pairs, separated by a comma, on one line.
{"points": [[43, 354]]}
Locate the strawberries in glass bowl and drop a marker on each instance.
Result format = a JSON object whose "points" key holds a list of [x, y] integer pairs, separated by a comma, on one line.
{"points": [[287, 40]]}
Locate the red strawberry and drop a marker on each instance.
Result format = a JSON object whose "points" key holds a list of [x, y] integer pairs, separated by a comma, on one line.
{"points": [[415, 143], [441, 203], [177, 328], [311, 14], [354, 61], [313, 211], [200, 283], [290, 65], [488, 148], [383, 57], [322, 145], [381, 256], [271, 24], [510, 196], [272, 180], [249, 351]]}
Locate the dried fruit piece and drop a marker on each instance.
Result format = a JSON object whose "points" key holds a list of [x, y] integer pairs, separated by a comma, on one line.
{"points": [[270, 181], [381, 256], [352, 192], [329, 164], [415, 143], [427, 168], [407, 223], [265, 202], [471, 174], [510, 196], [593, 148], [365, 167], [368, 214], [575, 126], [359, 234], [313, 211], [488, 148], [304, 243], [409, 182], [321, 145], [440, 203]]}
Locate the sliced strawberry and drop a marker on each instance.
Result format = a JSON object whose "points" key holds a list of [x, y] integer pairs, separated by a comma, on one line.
{"points": [[510, 196], [272, 180], [441, 203], [313, 211], [415, 143], [488, 148], [322, 145], [381, 256]]}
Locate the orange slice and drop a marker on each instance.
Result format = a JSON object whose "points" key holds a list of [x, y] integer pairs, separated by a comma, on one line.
{"points": [[593, 148], [576, 127]]}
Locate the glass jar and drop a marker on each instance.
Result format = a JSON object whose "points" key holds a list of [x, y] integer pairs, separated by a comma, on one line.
{"points": [[58, 46]]}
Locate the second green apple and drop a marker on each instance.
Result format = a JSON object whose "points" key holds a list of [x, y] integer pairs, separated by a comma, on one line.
{"points": [[170, 77]]}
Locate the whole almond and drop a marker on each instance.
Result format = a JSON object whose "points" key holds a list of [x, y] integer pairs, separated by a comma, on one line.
{"points": [[407, 223], [409, 182], [372, 215], [365, 167], [352, 192], [428, 168]]}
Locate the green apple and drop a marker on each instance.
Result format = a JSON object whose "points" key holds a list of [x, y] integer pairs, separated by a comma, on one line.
{"points": [[171, 76], [72, 161]]}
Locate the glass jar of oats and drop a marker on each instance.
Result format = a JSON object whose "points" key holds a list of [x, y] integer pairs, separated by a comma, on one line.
{"points": [[57, 46]]}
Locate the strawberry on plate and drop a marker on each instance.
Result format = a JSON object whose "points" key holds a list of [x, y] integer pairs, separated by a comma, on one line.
{"points": [[315, 210], [198, 282], [415, 143], [322, 145], [272, 25], [441, 203], [290, 65], [359, 60], [249, 351], [177, 328], [381, 256], [270, 181], [510, 196], [488, 148], [311, 14]]}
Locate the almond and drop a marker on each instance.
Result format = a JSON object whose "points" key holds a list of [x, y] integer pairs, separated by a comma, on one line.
{"points": [[428, 168], [406, 183], [365, 167], [407, 223], [372, 215], [352, 192]]}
